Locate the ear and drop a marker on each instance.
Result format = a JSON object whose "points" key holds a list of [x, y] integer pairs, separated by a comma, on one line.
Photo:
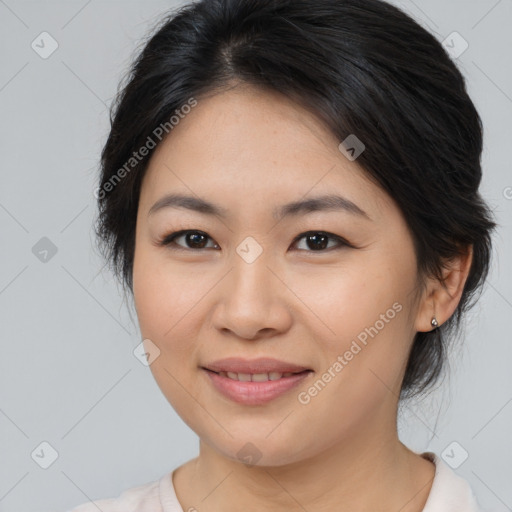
{"points": [[441, 298]]}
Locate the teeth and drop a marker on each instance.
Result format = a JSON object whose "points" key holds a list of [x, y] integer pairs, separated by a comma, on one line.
{"points": [[260, 377], [255, 377]]}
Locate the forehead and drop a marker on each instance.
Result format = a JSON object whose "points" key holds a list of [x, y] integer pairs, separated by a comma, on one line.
{"points": [[250, 145]]}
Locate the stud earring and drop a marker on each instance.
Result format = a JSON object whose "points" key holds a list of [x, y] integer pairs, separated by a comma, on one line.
{"points": [[434, 322]]}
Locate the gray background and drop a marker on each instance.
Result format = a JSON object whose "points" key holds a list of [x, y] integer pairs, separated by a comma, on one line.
{"points": [[68, 376]]}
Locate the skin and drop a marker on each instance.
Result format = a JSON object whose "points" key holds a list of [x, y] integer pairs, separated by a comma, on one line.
{"points": [[249, 151]]}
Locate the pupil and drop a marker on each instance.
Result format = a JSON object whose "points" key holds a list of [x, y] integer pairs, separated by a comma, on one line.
{"points": [[195, 239], [316, 239]]}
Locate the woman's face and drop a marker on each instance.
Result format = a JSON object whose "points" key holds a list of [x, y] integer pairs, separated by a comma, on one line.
{"points": [[258, 281]]}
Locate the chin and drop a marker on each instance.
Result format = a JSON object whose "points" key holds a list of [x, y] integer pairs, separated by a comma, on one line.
{"points": [[255, 449]]}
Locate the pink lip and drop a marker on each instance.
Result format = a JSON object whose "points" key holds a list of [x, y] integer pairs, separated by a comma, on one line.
{"points": [[254, 393], [260, 365]]}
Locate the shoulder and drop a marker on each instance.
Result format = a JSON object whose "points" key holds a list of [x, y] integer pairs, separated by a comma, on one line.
{"points": [[450, 492], [136, 499]]}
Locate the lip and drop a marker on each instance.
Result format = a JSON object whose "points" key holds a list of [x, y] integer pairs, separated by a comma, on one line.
{"points": [[254, 393], [259, 365]]}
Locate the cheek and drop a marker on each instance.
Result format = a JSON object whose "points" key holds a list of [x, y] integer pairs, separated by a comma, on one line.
{"points": [[363, 317], [164, 311], [342, 302], [153, 299], [164, 296]]}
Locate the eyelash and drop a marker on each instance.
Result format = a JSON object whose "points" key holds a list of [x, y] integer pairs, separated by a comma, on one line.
{"points": [[168, 240]]}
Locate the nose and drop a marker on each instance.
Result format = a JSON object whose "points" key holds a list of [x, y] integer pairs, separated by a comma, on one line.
{"points": [[252, 301]]}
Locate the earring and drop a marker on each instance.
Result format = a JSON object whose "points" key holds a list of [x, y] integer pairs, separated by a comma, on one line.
{"points": [[434, 322]]}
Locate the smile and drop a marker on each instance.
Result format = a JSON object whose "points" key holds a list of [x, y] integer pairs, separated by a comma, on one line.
{"points": [[255, 388]]}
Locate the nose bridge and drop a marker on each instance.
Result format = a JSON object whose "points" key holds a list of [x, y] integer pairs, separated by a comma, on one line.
{"points": [[250, 301], [251, 275]]}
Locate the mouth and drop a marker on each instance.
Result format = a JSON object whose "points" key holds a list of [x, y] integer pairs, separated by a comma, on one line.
{"points": [[256, 377], [259, 366], [254, 382]]}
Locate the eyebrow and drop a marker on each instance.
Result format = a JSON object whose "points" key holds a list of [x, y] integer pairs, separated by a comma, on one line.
{"points": [[328, 202]]}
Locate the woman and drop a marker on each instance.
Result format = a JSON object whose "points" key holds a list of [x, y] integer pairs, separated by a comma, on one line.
{"points": [[290, 192]]}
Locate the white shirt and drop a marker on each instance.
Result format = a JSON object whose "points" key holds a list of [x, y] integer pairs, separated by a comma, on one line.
{"points": [[449, 493]]}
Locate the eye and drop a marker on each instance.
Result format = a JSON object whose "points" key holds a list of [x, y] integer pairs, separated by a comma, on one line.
{"points": [[196, 239], [316, 241]]}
